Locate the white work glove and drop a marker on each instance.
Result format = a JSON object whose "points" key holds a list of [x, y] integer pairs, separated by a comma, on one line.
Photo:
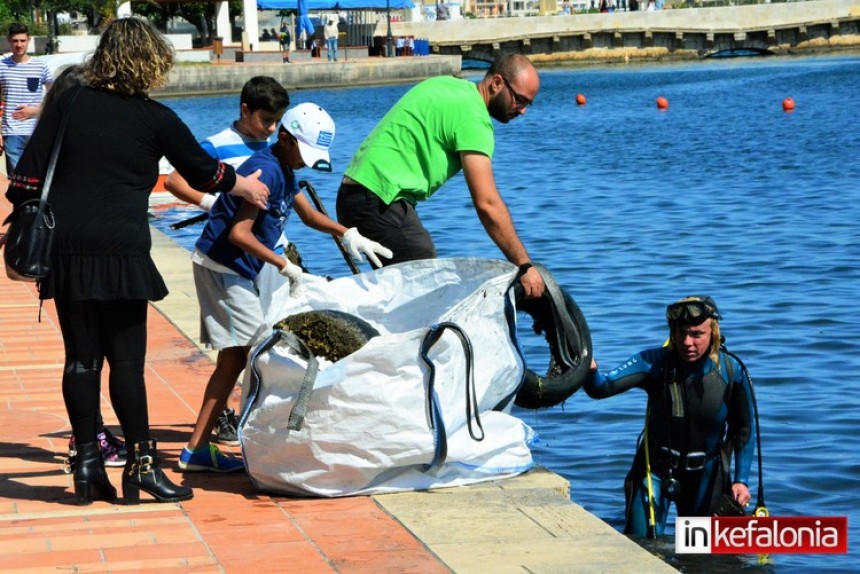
{"points": [[207, 201], [356, 244], [294, 273]]}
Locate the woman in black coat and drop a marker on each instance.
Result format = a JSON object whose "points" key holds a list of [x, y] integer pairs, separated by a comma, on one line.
{"points": [[102, 274]]}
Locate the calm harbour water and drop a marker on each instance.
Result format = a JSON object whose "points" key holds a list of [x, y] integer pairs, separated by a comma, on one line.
{"points": [[632, 208]]}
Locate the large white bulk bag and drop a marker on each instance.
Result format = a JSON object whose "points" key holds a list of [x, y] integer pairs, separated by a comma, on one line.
{"points": [[424, 404]]}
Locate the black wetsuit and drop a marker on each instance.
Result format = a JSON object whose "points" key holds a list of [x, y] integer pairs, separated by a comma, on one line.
{"points": [[697, 415]]}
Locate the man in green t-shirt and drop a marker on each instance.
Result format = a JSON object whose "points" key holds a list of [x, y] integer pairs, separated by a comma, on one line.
{"points": [[437, 128]]}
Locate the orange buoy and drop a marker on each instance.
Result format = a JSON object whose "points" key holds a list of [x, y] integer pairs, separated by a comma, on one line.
{"points": [[788, 105], [662, 103], [580, 99]]}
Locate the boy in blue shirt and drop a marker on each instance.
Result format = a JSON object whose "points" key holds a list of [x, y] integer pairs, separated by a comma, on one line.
{"points": [[236, 243], [261, 106]]}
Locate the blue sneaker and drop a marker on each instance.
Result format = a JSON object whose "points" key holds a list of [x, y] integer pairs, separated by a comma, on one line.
{"points": [[210, 459]]}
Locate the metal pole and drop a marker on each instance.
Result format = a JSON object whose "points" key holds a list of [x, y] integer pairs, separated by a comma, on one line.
{"points": [[388, 52]]}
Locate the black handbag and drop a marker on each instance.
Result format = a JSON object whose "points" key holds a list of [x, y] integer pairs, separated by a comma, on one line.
{"points": [[30, 235], [27, 252]]}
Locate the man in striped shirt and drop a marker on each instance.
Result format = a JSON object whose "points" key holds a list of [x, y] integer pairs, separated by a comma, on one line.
{"points": [[23, 82]]}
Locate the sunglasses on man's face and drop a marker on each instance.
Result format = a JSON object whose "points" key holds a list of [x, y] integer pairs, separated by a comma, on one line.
{"points": [[521, 101], [690, 312]]}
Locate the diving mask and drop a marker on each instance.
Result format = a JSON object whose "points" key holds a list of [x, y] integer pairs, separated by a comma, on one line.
{"points": [[692, 311]]}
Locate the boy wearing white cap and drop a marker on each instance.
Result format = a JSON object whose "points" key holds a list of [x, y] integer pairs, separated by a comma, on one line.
{"points": [[235, 244]]}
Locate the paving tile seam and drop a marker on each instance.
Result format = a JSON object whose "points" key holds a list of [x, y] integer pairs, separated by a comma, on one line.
{"points": [[152, 375], [414, 534], [193, 525], [30, 368], [311, 542], [84, 512]]}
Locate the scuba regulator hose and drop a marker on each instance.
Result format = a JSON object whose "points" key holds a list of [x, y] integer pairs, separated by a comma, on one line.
{"points": [[760, 508]]}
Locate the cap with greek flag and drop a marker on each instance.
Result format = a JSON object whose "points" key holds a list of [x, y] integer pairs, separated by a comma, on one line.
{"points": [[313, 128]]}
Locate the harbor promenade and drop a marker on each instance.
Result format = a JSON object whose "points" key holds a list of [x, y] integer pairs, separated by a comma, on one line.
{"points": [[524, 524], [229, 77], [671, 34]]}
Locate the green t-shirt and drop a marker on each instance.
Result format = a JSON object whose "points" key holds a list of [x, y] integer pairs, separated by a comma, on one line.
{"points": [[416, 147]]}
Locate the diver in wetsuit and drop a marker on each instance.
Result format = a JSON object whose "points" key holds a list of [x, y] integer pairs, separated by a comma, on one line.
{"points": [[699, 412]]}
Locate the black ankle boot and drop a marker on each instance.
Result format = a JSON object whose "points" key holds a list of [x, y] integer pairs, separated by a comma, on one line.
{"points": [[142, 473], [91, 481]]}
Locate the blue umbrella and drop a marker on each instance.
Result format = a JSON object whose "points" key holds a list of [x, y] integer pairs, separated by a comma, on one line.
{"points": [[303, 23]]}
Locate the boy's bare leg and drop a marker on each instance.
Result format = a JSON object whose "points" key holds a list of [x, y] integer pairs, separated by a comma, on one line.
{"points": [[228, 367]]}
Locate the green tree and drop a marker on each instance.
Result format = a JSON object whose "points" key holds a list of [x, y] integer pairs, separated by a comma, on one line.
{"points": [[15, 11], [158, 14]]}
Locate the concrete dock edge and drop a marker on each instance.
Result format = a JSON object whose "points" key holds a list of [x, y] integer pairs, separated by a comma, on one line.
{"points": [[523, 524]]}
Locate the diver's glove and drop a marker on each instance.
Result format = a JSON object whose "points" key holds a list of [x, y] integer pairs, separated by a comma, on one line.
{"points": [[294, 273], [207, 201], [356, 245]]}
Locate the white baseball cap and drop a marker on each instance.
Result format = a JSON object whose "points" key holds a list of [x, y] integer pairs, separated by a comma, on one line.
{"points": [[313, 128]]}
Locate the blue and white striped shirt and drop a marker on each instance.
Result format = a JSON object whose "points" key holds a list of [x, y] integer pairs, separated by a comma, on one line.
{"points": [[22, 84]]}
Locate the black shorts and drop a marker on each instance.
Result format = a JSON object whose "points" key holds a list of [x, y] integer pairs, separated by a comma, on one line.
{"points": [[395, 226]]}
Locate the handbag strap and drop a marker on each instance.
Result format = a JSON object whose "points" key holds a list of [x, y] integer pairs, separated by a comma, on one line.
{"points": [[55, 153]]}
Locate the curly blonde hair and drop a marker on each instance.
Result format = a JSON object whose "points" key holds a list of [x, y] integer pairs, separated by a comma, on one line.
{"points": [[132, 58]]}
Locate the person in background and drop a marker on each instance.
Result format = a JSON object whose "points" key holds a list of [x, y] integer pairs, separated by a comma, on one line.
{"points": [[102, 273], [330, 33], [23, 81], [261, 106], [236, 245], [442, 12], [565, 7], [699, 413], [284, 39], [439, 127]]}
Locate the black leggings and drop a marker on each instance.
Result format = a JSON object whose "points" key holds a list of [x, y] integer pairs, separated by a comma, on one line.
{"points": [[92, 332]]}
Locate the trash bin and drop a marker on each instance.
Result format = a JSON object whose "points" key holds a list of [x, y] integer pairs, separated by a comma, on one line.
{"points": [[218, 47]]}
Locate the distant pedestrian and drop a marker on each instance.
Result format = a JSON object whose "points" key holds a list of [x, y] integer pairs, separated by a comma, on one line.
{"points": [[330, 33], [23, 82], [285, 40], [442, 11], [565, 7]]}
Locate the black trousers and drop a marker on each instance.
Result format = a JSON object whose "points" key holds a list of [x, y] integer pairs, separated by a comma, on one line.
{"points": [[395, 226], [92, 332]]}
